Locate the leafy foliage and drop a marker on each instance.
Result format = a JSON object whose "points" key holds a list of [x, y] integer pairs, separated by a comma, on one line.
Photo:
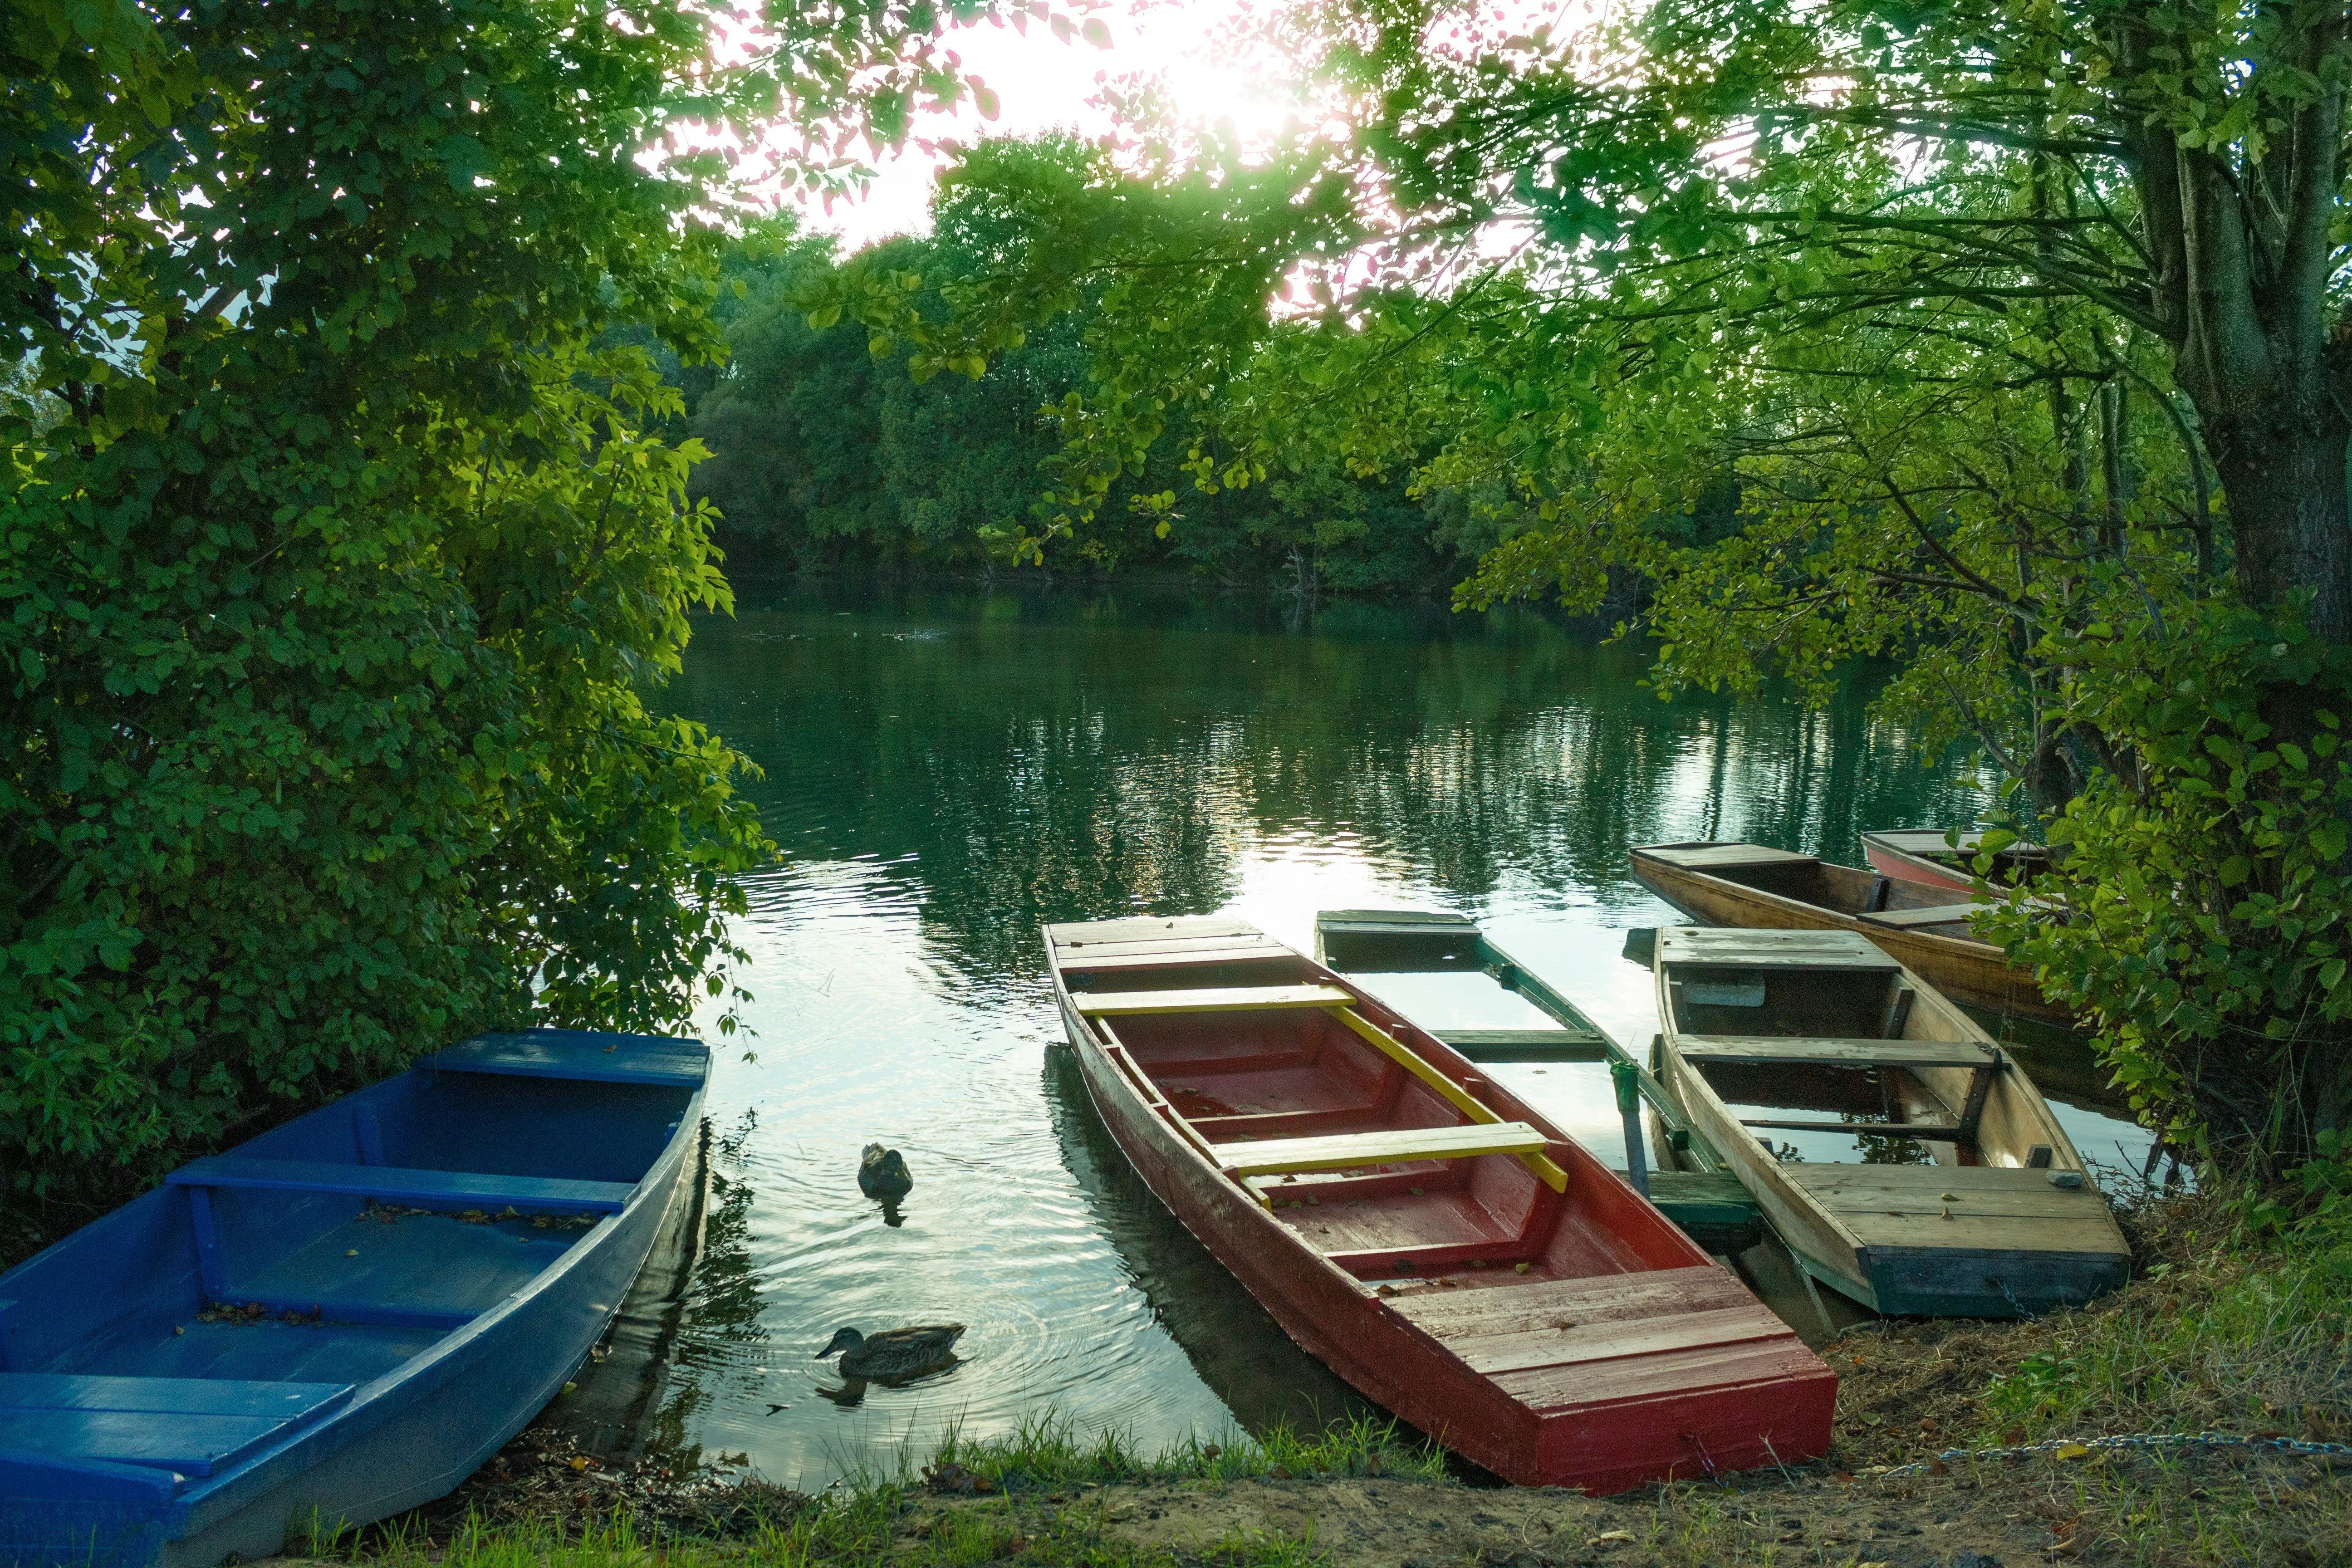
{"points": [[344, 544], [1999, 339], [824, 444]]}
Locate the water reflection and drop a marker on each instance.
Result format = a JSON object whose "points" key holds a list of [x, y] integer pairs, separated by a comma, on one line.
{"points": [[946, 770]]}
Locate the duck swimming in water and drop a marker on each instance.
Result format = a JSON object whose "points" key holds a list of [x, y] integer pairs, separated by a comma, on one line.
{"points": [[882, 1173], [894, 1353]]}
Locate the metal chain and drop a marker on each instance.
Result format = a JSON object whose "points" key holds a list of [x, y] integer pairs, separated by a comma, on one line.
{"points": [[2137, 1440]]}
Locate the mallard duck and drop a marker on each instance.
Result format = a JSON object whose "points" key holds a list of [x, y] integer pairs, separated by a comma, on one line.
{"points": [[881, 1174], [894, 1352]]}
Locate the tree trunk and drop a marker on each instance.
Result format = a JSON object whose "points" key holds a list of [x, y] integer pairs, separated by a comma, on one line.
{"points": [[2242, 250], [2282, 466]]}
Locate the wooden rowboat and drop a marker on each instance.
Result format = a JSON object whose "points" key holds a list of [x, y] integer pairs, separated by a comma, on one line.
{"points": [[1748, 885], [1709, 1204], [2004, 1222], [1922, 856], [342, 1318], [1417, 1228]]}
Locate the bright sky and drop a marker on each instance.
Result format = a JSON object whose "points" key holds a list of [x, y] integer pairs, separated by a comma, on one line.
{"points": [[1044, 84]]}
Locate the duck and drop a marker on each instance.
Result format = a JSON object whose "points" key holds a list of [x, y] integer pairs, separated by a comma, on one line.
{"points": [[894, 1352], [882, 1173]]}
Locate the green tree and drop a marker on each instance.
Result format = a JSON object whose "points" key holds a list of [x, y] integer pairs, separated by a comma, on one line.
{"points": [[336, 597], [2014, 332]]}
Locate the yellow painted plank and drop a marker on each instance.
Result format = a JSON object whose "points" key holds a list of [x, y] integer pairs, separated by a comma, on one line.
{"points": [[1341, 1150], [1210, 999], [1453, 1093]]}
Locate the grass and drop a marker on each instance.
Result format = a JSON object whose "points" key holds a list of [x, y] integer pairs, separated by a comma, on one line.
{"points": [[860, 1526], [1048, 1450], [2219, 1335], [1035, 1493]]}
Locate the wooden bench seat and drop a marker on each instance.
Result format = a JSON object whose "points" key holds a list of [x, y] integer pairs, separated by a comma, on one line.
{"points": [[1838, 1053], [1210, 999], [579, 1053], [188, 1425], [392, 1183], [1526, 1045], [1344, 1151], [1933, 915]]}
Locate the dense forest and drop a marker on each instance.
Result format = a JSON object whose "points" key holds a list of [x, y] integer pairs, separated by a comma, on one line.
{"points": [[824, 456]]}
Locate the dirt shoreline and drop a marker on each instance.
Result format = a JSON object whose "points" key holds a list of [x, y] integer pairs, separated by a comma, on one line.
{"points": [[2144, 1507]]}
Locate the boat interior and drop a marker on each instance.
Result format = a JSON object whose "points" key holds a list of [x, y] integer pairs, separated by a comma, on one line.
{"points": [[1846, 1039], [1401, 1176], [319, 1255], [1846, 890]]}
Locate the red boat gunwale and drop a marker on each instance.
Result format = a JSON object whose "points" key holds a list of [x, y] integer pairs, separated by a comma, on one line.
{"points": [[1910, 854], [1524, 1307]]}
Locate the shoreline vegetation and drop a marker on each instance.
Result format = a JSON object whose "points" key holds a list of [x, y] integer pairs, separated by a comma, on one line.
{"points": [[2227, 1336]]}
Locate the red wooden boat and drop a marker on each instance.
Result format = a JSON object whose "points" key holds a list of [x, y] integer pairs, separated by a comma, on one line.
{"points": [[1920, 855], [1419, 1229]]}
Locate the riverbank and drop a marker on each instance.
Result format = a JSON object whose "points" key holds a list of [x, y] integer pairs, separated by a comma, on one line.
{"points": [[2204, 1506], [2216, 1335]]}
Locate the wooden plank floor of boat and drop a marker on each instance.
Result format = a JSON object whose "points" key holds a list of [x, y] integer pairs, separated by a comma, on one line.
{"points": [[1959, 1208], [1557, 1344]]}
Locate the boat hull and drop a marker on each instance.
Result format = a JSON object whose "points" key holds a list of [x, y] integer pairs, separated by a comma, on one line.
{"points": [[1982, 1231], [1627, 1422], [1965, 969], [421, 1439], [402, 1438], [1908, 867]]}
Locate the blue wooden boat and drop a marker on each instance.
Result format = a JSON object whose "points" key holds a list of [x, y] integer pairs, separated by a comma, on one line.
{"points": [[340, 1318]]}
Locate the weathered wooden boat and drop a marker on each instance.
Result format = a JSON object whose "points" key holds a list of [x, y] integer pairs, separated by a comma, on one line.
{"points": [[1922, 855], [342, 1318], [1695, 1190], [1427, 1235], [2000, 1220], [1750, 885]]}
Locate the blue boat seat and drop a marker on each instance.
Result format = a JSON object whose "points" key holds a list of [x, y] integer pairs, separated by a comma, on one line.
{"points": [[397, 1186], [650, 1059], [188, 1425]]}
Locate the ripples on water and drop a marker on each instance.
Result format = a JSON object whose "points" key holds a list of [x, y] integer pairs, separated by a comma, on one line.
{"points": [[946, 771]]}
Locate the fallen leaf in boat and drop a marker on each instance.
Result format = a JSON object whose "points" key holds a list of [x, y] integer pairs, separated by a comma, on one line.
{"points": [[351, 1252], [178, 1330], [1385, 1290], [1518, 1268], [1414, 1191]]}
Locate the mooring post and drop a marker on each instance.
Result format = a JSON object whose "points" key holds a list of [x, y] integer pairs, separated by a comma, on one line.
{"points": [[1627, 1077]]}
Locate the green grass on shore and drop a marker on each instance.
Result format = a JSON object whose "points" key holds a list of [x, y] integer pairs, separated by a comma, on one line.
{"points": [[2221, 1335], [1048, 1450]]}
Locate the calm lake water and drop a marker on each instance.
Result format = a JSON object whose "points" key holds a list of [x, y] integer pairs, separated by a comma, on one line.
{"points": [[948, 769]]}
